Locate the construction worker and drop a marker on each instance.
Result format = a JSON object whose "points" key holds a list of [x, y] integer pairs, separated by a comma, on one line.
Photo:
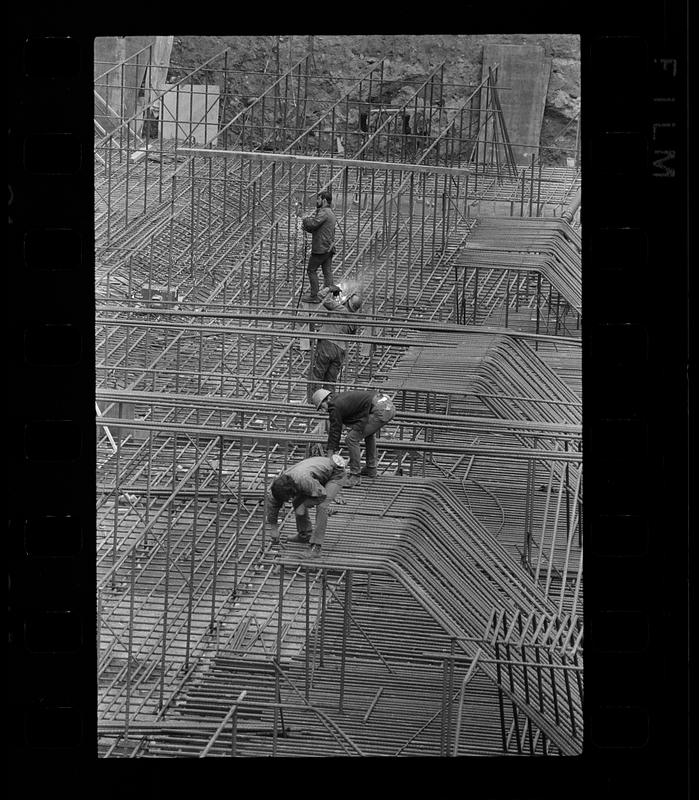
{"points": [[321, 224], [329, 353], [312, 482], [363, 412]]}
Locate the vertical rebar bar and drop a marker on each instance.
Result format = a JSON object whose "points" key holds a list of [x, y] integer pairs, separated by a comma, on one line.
{"points": [[192, 226], [450, 694], [148, 487], [99, 623], [129, 656], [166, 592], [265, 487], [485, 122], [538, 307], [234, 727], [128, 175], [510, 671], [308, 634], [570, 538], [216, 532], [507, 298], [467, 209], [323, 602], [145, 179], [554, 688], [277, 688], [445, 209], [443, 712], [117, 478], [190, 587], [501, 696], [553, 537], [345, 634], [434, 217]]}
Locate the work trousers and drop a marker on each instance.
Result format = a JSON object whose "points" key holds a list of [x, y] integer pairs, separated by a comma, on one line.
{"points": [[327, 363], [323, 260], [367, 431], [303, 520]]}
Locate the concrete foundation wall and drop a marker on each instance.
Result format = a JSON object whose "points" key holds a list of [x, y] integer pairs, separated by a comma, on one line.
{"points": [[120, 87], [525, 70]]}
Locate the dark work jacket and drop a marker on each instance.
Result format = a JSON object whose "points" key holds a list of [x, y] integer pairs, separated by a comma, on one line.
{"points": [[321, 223], [347, 408]]}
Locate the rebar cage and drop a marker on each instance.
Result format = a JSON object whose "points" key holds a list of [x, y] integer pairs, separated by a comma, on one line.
{"points": [[211, 642]]}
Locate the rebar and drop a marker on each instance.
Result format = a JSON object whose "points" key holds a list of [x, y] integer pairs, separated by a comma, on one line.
{"points": [[203, 382]]}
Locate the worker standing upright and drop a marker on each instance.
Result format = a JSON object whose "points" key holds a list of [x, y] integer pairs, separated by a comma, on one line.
{"points": [[364, 413], [321, 224], [312, 482], [329, 354]]}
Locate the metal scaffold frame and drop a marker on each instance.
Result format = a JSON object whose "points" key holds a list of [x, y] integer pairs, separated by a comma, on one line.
{"points": [[211, 643]]}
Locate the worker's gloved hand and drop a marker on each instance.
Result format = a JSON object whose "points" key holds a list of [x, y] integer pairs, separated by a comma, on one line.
{"points": [[300, 510], [340, 500], [274, 533]]}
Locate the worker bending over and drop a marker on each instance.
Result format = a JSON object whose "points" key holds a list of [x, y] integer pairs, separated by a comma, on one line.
{"points": [[312, 482], [329, 354], [321, 224], [363, 412]]}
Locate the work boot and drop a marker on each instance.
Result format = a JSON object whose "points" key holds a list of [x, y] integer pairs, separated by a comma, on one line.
{"points": [[310, 298], [314, 551], [369, 472], [301, 538], [353, 480]]}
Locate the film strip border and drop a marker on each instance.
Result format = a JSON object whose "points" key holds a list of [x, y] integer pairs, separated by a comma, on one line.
{"points": [[51, 442], [635, 233]]}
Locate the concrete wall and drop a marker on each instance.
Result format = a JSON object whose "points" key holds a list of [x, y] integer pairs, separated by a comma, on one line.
{"points": [[525, 70], [120, 88]]}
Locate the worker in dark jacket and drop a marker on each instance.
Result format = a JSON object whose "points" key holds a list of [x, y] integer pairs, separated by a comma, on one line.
{"points": [[321, 224], [329, 353], [363, 412], [312, 482]]}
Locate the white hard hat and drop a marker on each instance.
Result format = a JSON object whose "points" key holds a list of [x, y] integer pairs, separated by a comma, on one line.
{"points": [[339, 461], [319, 396]]}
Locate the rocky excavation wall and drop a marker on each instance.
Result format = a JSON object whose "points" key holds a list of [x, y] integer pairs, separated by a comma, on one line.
{"points": [[340, 58]]}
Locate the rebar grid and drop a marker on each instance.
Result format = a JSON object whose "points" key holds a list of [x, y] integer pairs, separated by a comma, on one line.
{"points": [[252, 492], [198, 422], [126, 186], [251, 455], [108, 193], [551, 636], [376, 691]]}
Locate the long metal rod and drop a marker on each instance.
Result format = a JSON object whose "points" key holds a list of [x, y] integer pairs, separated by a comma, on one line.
{"points": [[268, 315], [229, 716], [391, 166]]}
